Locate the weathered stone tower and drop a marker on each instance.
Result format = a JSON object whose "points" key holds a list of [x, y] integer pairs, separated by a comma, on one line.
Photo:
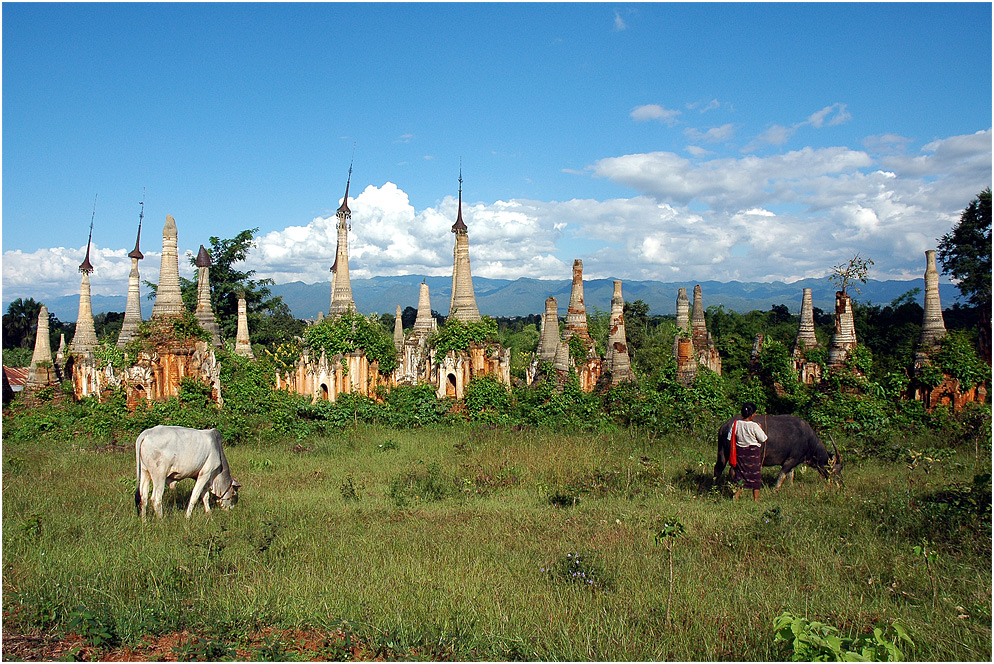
{"points": [[42, 371], [463, 303], [933, 326], [85, 338], [341, 285], [806, 332], [704, 348], [844, 336], [548, 341], [204, 312], [682, 323], [617, 364], [576, 314], [243, 346], [398, 331], [168, 297], [133, 309], [807, 372], [425, 323]]}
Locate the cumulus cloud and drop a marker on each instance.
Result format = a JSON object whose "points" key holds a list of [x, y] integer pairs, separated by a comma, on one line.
{"points": [[54, 272], [648, 112], [747, 218]]}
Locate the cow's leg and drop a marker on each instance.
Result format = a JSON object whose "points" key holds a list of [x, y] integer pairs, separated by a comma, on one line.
{"points": [[198, 490], [157, 489], [144, 487], [719, 466], [785, 470]]}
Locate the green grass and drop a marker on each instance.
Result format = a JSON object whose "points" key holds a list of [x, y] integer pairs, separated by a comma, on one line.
{"points": [[437, 550]]}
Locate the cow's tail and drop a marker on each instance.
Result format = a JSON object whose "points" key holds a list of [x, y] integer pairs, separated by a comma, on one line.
{"points": [[138, 473]]}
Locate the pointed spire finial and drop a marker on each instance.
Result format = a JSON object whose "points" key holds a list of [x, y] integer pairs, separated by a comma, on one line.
{"points": [[460, 225], [86, 266], [141, 215], [344, 209]]}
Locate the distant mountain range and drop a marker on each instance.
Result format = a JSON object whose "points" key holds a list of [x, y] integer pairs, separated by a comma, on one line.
{"points": [[521, 297]]}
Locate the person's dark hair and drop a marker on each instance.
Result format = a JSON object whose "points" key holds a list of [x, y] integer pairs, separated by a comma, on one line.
{"points": [[748, 408]]}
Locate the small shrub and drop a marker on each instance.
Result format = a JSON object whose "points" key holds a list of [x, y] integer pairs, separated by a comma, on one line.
{"points": [[203, 650], [95, 629], [351, 490], [424, 483]]}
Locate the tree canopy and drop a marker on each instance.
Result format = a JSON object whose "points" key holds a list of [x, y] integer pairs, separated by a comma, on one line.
{"points": [[965, 254], [965, 251]]}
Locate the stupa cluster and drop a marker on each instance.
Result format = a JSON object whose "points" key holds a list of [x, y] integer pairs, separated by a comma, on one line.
{"points": [[324, 378], [157, 370], [155, 373]]}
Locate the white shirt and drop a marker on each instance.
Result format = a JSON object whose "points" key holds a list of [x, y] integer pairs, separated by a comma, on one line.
{"points": [[747, 434]]}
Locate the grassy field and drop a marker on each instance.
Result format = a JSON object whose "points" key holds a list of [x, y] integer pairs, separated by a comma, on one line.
{"points": [[460, 543]]}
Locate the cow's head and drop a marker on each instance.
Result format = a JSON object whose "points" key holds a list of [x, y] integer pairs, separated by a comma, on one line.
{"points": [[229, 498]]}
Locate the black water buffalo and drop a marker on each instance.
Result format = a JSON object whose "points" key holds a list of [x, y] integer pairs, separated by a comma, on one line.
{"points": [[791, 442]]}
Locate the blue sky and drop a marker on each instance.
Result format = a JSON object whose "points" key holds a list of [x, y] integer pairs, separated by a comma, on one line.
{"points": [[680, 142]]}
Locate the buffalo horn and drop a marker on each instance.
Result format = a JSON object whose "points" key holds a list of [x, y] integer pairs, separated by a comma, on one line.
{"points": [[837, 464]]}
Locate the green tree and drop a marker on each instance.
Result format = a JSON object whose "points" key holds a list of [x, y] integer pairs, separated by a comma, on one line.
{"points": [[844, 275], [965, 254], [21, 321], [227, 283]]}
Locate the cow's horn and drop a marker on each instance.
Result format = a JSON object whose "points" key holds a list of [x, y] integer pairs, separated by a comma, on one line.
{"points": [[838, 456]]}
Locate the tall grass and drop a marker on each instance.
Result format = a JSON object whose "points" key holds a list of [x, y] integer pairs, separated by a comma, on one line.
{"points": [[432, 543]]}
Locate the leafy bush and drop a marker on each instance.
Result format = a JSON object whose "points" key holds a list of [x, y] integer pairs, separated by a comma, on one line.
{"points": [[413, 406], [96, 629], [813, 641], [458, 335], [488, 400], [353, 332]]}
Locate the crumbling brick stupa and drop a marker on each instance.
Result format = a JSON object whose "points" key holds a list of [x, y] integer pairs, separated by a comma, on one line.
{"points": [[948, 392], [808, 372], [555, 351], [693, 346]]}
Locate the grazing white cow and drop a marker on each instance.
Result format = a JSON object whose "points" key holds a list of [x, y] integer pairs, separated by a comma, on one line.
{"points": [[166, 455]]}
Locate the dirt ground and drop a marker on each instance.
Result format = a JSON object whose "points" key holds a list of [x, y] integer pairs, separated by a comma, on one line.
{"points": [[183, 646]]}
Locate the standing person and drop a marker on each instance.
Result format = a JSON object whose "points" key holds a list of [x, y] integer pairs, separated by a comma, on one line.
{"points": [[748, 438]]}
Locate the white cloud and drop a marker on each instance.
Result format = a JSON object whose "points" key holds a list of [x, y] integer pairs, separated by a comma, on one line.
{"points": [[619, 23], [829, 116], [824, 116], [704, 107], [784, 217], [712, 135], [648, 112]]}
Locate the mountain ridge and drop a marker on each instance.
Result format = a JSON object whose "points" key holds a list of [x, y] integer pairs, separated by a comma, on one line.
{"points": [[526, 295]]}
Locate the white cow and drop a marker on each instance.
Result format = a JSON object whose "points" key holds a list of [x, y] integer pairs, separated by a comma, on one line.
{"points": [[166, 455]]}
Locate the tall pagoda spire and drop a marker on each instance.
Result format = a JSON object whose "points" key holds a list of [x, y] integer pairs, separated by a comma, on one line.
{"points": [[341, 285], [85, 337], [133, 311], [463, 303], [204, 312]]}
